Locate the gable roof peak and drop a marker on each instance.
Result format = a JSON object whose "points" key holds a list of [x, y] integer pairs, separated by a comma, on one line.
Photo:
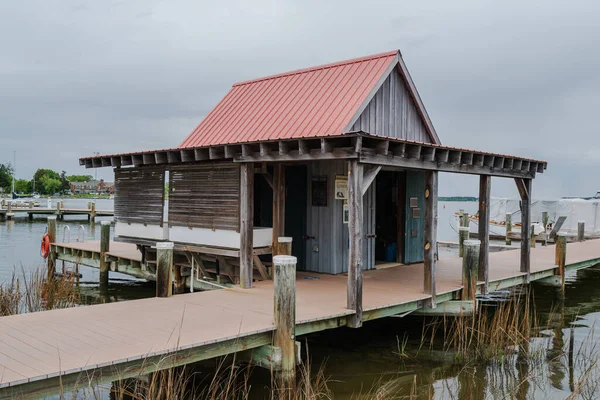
{"points": [[320, 67]]}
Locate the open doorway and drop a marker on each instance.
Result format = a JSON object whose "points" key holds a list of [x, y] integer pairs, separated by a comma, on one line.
{"points": [[387, 223]]}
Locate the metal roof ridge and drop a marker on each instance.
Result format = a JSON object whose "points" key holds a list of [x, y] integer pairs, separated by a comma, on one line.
{"points": [[319, 67]]}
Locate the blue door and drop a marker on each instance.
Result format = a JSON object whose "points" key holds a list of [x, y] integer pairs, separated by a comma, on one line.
{"points": [[415, 207]]}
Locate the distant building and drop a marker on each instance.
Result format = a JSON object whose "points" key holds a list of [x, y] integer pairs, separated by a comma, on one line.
{"points": [[93, 187]]}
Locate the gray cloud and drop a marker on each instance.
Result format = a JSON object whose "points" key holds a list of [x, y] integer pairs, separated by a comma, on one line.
{"points": [[514, 77]]}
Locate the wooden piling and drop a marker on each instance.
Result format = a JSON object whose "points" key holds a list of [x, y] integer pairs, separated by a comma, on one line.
{"points": [[284, 246], [561, 256], [92, 214], [246, 224], [178, 280], [430, 236], [532, 239], [470, 267], [464, 219], [284, 281], [51, 256], [463, 235], [9, 213], [508, 228], [524, 187], [355, 245], [485, 183], [580, 231], [164, 267], [104, 248]]}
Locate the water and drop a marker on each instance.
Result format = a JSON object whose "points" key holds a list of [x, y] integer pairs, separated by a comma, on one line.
{"points": [[20, 241], [362, 360]]}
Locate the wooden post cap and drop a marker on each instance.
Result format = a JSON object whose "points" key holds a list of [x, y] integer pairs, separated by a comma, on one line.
{"points": [[285, 260], [463, 228], [561, 233], [284, 239], [161, 245], [52, 217], [105, 223], [473, 242]]}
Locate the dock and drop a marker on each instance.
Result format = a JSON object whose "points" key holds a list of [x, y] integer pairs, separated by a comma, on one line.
{"points": [[32, 212], [102, 343]]}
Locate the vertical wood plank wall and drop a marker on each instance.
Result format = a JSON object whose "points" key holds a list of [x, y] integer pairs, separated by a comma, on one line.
{"points": [[325, 224], [392, 113]]}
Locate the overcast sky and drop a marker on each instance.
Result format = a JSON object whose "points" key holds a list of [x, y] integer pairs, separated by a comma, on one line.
{"points": [[517, 77]]}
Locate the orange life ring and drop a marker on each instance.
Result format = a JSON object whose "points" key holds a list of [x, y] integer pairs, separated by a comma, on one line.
{"points": [[45, 245]]}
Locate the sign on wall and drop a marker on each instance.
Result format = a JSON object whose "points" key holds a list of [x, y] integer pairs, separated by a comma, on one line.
{"points": [[341, 188]]}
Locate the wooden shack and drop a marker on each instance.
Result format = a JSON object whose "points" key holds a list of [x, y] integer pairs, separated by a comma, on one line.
{"points": [[342, 158]]}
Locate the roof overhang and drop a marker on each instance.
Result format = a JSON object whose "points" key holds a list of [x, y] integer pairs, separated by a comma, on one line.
{"points": [[368, 149]]}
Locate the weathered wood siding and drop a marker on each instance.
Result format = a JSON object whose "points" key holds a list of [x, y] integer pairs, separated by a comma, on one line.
{"points": [[205, 196], [139, 195], [392, 113], [327, 227]]}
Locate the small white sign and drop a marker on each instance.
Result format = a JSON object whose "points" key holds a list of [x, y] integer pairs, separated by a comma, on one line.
{"points": [[341, 188]]}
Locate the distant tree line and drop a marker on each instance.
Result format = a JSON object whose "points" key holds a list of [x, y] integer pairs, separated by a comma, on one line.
{"points": [[44, 181]]}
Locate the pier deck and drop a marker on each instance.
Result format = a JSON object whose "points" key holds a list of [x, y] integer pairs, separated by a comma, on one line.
{"points": [[106, 342], [43, 211]]}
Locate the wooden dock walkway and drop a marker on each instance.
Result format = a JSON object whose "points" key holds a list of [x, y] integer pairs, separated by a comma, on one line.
{"points": [[60, 213], [102, 343]]}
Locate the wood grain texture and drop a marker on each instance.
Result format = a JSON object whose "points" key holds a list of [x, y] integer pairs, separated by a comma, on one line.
{"points": [[355, 229], [246, 224], [430, 235], [485, 184], [284, 316], [524, 187], [278, 204]]}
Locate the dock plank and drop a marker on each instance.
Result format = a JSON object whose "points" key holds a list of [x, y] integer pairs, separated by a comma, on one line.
{"points": [[91, 336]]}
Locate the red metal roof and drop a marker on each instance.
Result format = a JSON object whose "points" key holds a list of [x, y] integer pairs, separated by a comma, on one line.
{"points": [[312, 102]]}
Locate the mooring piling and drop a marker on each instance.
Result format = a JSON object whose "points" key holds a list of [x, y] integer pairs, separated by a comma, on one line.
{"points": [[532, 233], [545, 223], [284, 246], [463, 235], [104, 248], [9, 213], [92, 214], [508, 228], [561, 256], [464, 219], [284, 282], [580, 231], [51, 257], [164, 269], [470, 266]]}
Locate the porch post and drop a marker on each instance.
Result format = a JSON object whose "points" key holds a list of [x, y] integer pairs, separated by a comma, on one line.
{"points": [[246, 224], [355, 231], [430, 234], [524, 186], [485, 182], [278, 205]]}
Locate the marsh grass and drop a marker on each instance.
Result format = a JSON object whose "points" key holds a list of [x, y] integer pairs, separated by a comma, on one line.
{"points": [[27, 292]]}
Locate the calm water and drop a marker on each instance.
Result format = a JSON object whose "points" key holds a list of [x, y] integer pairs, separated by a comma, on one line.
{"points": [[356, 361]]}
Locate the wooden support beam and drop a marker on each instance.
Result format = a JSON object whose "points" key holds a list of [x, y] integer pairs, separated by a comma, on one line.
{"points": [[430, 234], [262, 270], [470, 269], [369, 176], [52, 255], [269, 178], [524, 187], [104, 248], [278, 205], [485, 183], [284, 282], [164, 269], [246, 224], [355, 248]]}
